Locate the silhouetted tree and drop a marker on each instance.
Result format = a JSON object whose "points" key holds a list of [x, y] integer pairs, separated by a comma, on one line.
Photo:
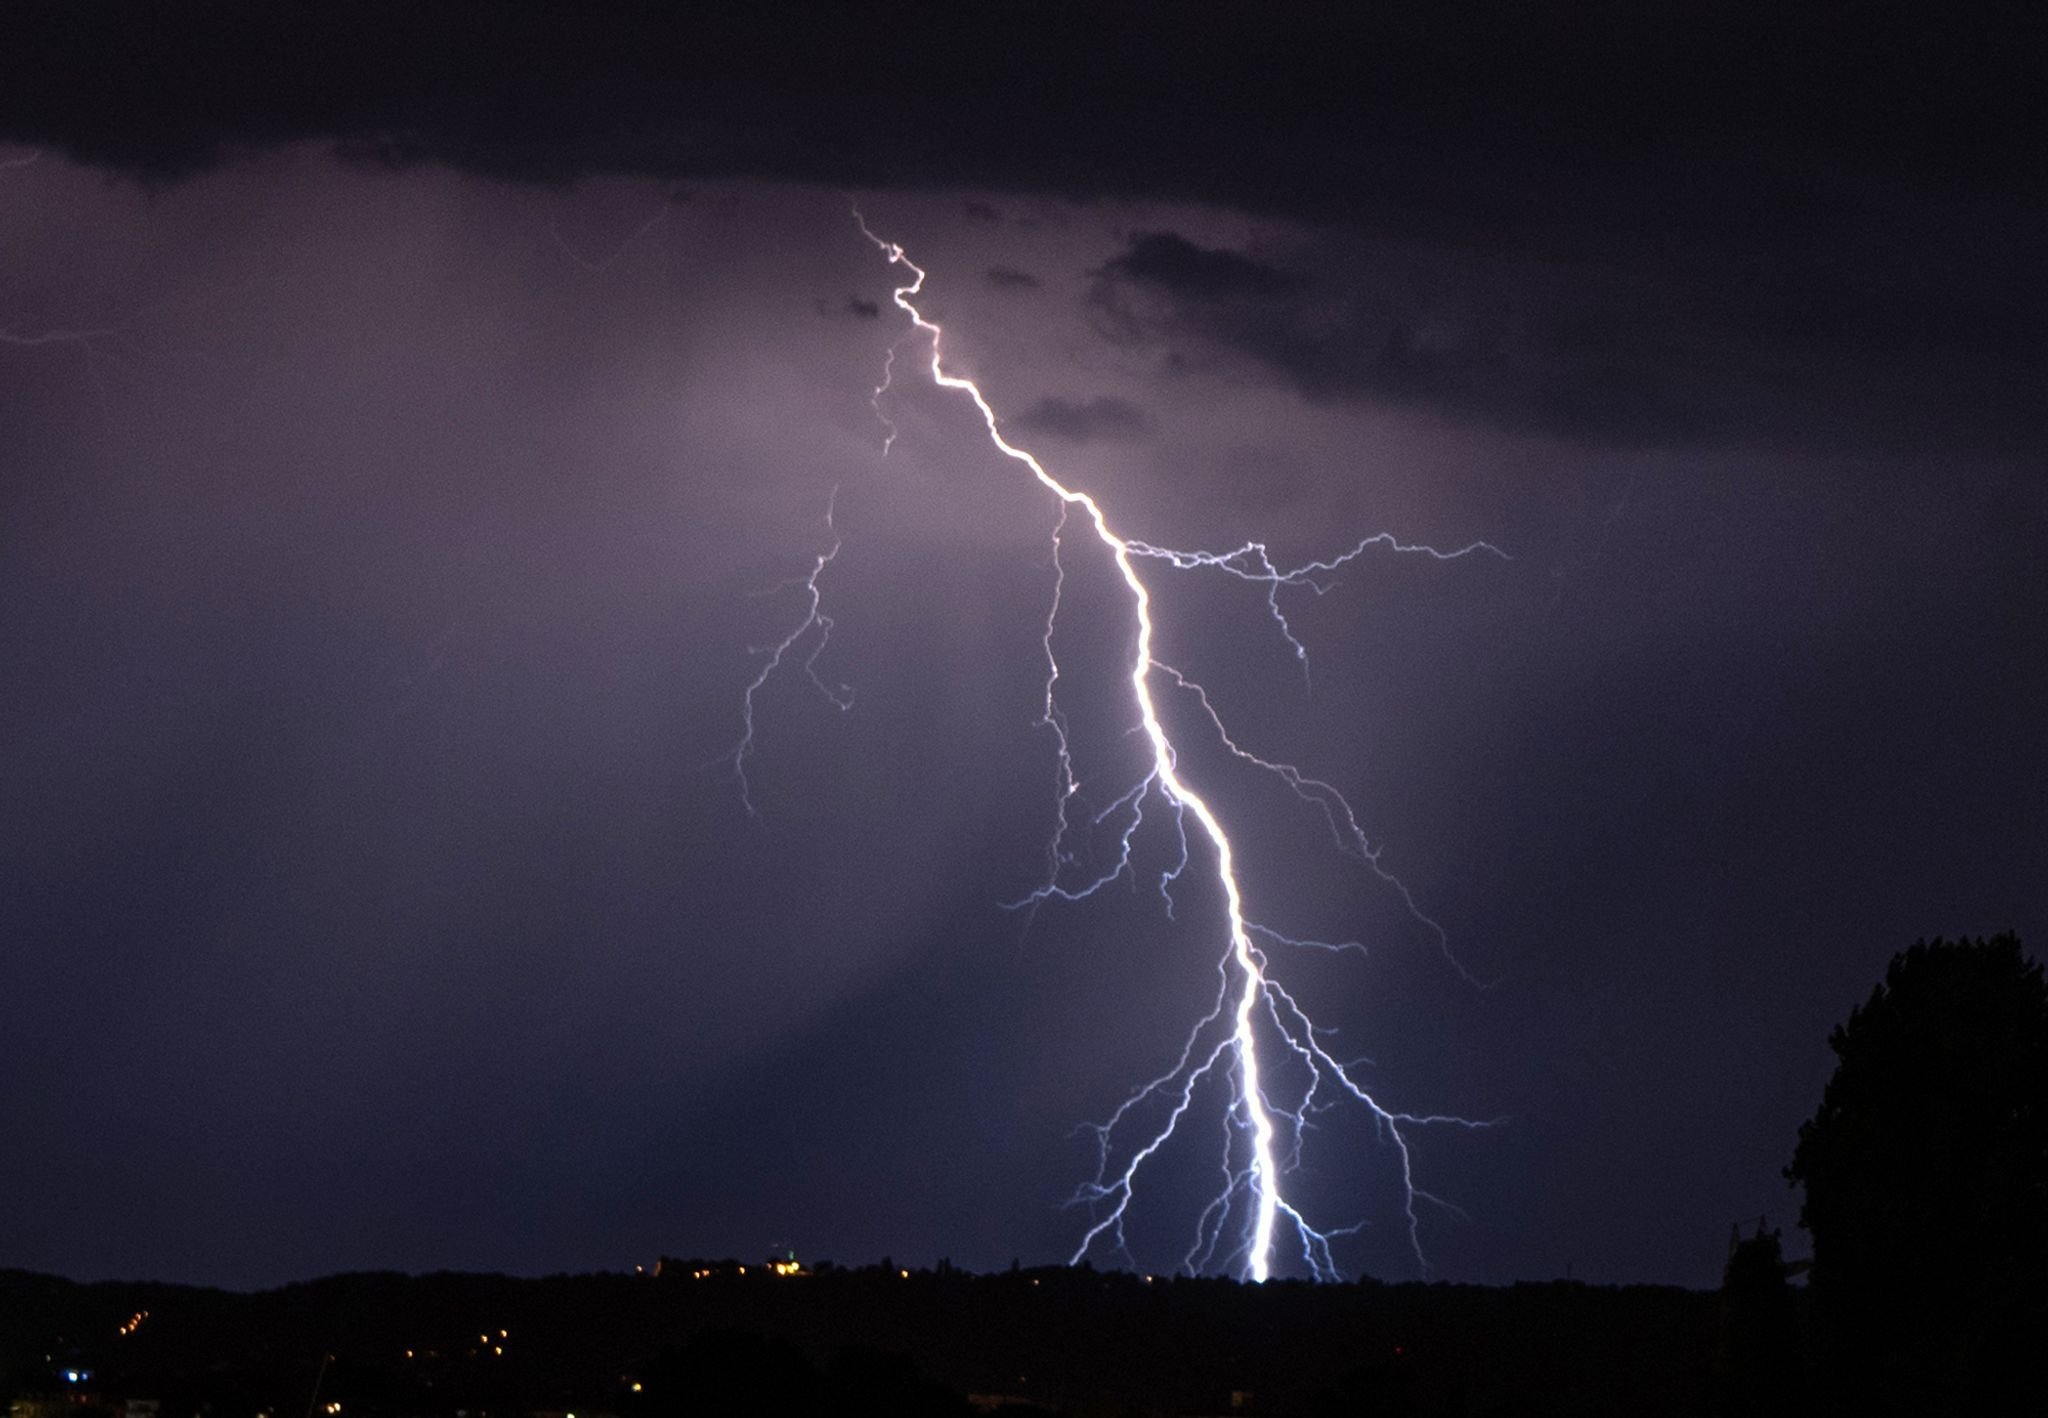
{"points": [[1758, 1357], [1926, 1177]]}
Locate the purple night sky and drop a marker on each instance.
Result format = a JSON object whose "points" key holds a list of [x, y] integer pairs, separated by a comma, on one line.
{"points": [[395, 475]]}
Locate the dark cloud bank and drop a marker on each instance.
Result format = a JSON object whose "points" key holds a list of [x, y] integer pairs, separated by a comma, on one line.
{"points": [[1839, 203]]}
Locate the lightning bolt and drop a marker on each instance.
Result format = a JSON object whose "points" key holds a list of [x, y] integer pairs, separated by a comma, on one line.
{"points": [[1263, 1138], [91, 346], [103, 347], [598, 265], [875, 400], [774, 653]]}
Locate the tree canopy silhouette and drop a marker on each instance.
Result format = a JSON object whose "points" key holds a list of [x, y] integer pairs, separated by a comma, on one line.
{"points": [[1757, 1360], [1926, 1184]]}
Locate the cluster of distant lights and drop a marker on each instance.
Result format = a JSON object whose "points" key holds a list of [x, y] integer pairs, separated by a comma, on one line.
{"points": [[774, 1267], [791, 1266], [787, 1266], [486, 1340], [496, 1343], [126, 1328]]}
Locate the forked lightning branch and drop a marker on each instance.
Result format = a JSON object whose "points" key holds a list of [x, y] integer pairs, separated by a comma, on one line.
{"points": [[1256, 1039]]}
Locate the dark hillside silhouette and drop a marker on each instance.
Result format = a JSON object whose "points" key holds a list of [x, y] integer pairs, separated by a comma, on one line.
{"points": [[705, 1338]]}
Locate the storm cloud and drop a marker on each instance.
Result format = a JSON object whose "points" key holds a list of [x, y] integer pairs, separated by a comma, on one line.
{"points": [[1615, 355], [1178, 266], [1834, 222]]}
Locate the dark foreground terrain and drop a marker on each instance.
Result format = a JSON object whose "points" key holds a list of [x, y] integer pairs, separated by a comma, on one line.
{"points": [[718, 1337]]}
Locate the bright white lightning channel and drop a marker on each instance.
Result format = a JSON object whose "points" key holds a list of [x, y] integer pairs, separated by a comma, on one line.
{"points": [[1263, 1138]]}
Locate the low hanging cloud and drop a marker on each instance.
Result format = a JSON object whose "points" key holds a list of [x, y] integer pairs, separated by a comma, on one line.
{"points": [[1618, 357], [1010, 278], [1591, 372], [1837, 209], [1102, 419], [1176, 265]]}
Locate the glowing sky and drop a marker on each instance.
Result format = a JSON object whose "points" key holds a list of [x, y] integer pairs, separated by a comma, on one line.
{"points": [[380, 552]]}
